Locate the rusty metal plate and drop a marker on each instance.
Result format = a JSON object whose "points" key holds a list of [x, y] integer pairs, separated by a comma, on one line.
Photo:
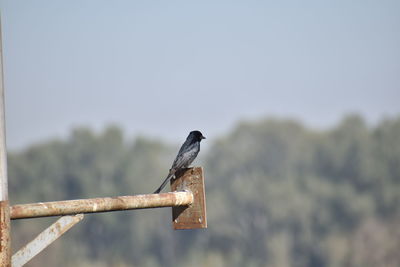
{"points": [[192, 216]]}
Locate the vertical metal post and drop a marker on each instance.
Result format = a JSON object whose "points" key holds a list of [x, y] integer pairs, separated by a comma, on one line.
{"points": [[5, 251]]}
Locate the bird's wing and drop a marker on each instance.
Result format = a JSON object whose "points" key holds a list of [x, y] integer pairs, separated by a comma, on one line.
{"points": [[185, 146], [185, 158]]}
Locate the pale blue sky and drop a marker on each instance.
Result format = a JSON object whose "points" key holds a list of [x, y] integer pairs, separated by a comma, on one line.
{"points": [[166, 67]]}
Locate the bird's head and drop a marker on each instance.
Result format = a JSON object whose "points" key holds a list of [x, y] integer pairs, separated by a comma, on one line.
{"points": [[196, 135]]}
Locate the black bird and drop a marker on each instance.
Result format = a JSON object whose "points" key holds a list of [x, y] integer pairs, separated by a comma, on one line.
{"points": [[185, 157]]}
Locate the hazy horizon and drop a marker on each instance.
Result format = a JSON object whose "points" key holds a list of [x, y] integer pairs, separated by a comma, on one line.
{"points": [[165, 68]]}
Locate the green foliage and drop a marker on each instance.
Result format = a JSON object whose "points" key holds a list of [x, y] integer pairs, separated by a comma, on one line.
{"points": [[278, 194]]}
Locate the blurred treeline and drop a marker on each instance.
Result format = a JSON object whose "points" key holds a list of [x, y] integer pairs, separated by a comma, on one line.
{"points": [[278, 194]]}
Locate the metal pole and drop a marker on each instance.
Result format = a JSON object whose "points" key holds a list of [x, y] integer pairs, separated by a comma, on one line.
{"points": [[44, 239], [4, 204], [91, 205]]}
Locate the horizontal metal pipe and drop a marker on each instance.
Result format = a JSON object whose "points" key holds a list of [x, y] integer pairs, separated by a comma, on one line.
{"points": [[91, 205]]}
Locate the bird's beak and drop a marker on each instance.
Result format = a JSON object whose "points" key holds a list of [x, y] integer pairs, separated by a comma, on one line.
{"points": [[203, 137]]}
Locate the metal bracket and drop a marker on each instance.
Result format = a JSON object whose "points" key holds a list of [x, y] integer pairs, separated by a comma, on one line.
{"points": [[188, 210]]}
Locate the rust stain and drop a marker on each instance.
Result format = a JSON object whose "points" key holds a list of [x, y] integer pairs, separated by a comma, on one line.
{"points": [[5, 251]]}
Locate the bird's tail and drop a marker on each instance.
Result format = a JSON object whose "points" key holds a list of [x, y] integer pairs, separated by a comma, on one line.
{"points": [[164, 183]]}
